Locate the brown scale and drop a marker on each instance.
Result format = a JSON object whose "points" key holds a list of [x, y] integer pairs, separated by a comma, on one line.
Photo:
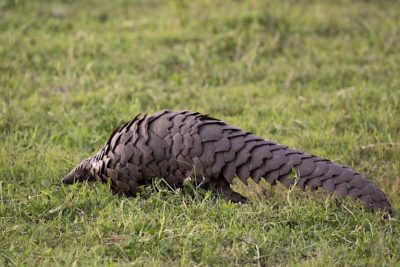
{"points": [[182, 144]]}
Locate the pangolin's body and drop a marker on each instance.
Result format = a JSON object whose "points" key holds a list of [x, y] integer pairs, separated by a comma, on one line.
{"points": [[182, 144]]}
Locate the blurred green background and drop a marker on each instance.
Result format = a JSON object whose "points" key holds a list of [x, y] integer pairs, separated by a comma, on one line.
{"points": [[322, 76]]}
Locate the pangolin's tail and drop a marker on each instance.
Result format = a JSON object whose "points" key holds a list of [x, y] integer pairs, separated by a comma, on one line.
{"points": [[315, 172], [242, 154]]}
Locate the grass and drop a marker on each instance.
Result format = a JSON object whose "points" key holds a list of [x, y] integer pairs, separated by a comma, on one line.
{"points": [[322, 76]]}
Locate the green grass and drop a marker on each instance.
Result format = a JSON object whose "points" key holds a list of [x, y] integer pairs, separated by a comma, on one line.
{"points": [[323, 76]]}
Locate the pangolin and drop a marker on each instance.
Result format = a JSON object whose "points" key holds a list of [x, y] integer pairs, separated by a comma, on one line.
{"points": [[177, 145]]}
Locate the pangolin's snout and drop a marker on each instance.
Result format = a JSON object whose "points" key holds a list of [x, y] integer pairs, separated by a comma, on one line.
{"points": [[69, 178]]}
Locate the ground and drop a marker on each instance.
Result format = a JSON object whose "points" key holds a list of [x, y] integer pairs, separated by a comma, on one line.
{"points": [[322, 76]]}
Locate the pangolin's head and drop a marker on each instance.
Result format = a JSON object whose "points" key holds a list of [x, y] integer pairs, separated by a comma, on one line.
{"points": [[80, 173]]}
